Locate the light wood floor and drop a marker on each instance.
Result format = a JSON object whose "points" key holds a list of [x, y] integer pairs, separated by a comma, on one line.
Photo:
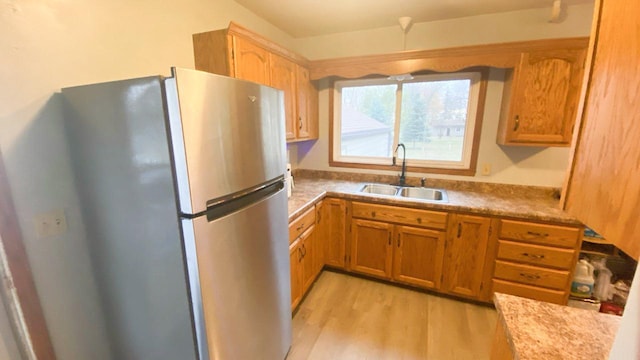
{"points": [[345, 317]]}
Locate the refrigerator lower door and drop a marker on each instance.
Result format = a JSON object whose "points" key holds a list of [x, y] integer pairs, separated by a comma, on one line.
{"points": [[243, 269]]}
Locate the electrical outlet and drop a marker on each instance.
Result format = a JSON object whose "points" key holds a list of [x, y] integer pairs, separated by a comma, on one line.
{"points": [[486, 169], [50, 224]]}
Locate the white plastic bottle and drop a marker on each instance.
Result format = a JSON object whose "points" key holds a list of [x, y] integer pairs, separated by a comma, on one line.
{"points": [[582, 285]]}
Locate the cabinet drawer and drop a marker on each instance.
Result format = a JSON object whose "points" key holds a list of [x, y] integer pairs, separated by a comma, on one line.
{"points": [[299, 225], [528, 291], [535, 254], [533, 275], [400, 215], [539, 233]]}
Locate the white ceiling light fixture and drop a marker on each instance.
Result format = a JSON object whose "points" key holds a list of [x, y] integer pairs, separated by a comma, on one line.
{"points": [[405, 24], [556, 11]]}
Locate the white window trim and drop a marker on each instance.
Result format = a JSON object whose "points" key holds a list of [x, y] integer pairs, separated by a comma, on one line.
{"points": [[467, 147]]}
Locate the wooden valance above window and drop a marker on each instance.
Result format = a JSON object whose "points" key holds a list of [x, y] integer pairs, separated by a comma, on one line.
{"points": [[503, 55]]}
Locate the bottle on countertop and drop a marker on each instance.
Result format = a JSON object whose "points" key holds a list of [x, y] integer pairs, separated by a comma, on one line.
{"points": [[582, 285]]}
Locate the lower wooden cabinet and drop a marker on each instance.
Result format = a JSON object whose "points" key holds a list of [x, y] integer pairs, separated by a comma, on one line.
{"points": [[463, 255], [383, 245], [303, 272], [418, 256], [534, 260], [334, 215], [465, 250], [371, 250], [295, 260]]}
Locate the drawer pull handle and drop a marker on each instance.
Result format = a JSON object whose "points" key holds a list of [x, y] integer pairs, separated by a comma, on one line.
{"points": [[398, 240], [534, 256], [373, 214], [459, 229], [419, 220], [304, 250], [300, 256], [516, 125], [537, 234], [530, 276], [300, 227]]}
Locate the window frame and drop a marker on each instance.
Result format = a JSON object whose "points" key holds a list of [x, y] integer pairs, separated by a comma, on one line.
{"points": [[412, 165]]}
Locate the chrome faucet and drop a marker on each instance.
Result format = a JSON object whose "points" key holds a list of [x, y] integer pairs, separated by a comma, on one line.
{"points": [[403, 177]]}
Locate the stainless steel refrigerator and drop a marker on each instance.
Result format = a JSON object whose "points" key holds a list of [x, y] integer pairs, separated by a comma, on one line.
{"points": [[181, 183]]}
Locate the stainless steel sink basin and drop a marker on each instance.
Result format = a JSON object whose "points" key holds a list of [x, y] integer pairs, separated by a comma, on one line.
{"points": [[427, 194], [379, 189], [424, 194]]}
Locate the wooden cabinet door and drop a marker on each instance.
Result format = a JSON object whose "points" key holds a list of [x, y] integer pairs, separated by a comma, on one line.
{"points": [[251, 62], [464, 258], [335, 232], [371, 250], [418, 256], [308, 261], [303, 123], [544, 98], [295, 260], [320, 237], [283, 77], [604, 186]]}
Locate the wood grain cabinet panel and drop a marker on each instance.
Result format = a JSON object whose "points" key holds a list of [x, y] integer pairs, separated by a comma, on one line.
{"points": [[541, 98], [295, 262], [418, 256], [334, 213], [250, 61], [283, 77], [302, 223], [400, 215], [371, 250], [531, 275], [308, 258], [528, 291], [536, 255], [543, 234], [604, 185], [465, 251]]}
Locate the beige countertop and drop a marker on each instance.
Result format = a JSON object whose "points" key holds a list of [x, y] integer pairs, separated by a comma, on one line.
{"points": [[487, 199], [539, 330]]}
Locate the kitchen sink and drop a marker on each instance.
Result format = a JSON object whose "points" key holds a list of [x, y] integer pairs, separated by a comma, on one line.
{"points": [[424, 194], [420, 193], [379, 189]]}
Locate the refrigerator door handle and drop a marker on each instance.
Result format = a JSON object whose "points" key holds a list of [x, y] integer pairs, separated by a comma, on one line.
{"points": [[239, 201]]}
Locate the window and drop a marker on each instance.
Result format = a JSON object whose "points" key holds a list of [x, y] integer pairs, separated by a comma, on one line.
{"points": [[434, 116]]}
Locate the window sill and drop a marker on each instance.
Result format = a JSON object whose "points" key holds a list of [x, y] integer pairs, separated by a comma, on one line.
{"points": [[414, 169]]}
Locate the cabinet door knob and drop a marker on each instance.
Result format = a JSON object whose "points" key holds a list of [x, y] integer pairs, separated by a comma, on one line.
{"points": [[517, 123]]}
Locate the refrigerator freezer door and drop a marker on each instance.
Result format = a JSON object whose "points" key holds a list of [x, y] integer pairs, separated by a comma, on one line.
{"points": [[244, 275], [227, 134]]}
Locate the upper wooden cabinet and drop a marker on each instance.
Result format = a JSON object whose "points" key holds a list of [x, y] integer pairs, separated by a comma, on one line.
{"points": [[240, 53], [250, 61], [540, 98], [604, 182]]}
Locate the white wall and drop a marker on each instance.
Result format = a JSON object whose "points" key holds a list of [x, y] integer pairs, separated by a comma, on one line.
{"points": [[49, 44], [512, 165], [8, 344]]}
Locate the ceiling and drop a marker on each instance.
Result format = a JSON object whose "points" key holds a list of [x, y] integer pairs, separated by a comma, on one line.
{"points": [[302, 18]]}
